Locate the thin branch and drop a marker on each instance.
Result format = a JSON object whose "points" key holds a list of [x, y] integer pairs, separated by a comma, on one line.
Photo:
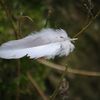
{"points": [[36, 87], [52, 65], [83, 72], [48, 16], [18, 83], [69, 70], [9, 15], [74, 71], [58, 85], [18, 62], [86, 26]]}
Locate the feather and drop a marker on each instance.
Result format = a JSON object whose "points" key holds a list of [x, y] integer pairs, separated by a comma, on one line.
{"points": [[46, 43]]}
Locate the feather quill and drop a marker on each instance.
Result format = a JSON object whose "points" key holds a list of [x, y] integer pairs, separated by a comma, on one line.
{"points": [[46, 43]]}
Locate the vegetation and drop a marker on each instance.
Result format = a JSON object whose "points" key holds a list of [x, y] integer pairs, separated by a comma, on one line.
{"points": [[75, 77]]}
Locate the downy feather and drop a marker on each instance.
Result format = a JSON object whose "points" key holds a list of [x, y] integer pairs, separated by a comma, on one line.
{"points": [[46, 43]]}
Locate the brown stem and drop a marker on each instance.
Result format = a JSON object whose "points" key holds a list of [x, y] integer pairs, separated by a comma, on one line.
{"points": [[69, 70], [58, 85], [18, 83], [9, 15], [86, 26], [44, 97]]}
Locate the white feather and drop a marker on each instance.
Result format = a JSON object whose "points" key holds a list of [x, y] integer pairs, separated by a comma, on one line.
{"points": [[47, 43]]}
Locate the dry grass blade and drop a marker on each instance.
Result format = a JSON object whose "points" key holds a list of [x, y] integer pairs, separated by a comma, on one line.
{"points": [[37, 87], [52, 65], [69, 70]]}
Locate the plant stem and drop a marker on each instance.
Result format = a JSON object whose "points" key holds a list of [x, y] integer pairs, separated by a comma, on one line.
{"points": [[37, 87], [69, 70], [58, 85], [86, 26], [9, 15]]}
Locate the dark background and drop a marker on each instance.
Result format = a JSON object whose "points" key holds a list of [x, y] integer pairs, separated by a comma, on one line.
{"points": [[18, 18]]}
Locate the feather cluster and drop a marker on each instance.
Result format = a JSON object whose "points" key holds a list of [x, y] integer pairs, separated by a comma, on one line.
{"points": [[46, 43]]}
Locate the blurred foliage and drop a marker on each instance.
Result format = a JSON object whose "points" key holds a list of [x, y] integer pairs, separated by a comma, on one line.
{"points": [[71, 15]]}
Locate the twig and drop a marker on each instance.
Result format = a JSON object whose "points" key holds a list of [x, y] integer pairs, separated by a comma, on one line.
{"points": [[18, 83], [83, 72], [69, 70], [9, 15], [18, 62], [66, 70], [86, 26], [58, 85], [52, 65], [48, 16], [36, 87]]}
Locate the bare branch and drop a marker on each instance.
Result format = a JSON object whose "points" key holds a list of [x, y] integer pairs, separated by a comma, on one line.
{"points": [[69, 70], [37, 87], [86, 26]]}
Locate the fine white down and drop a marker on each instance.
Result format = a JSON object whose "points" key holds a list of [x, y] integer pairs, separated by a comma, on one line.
{"points": [[46, 43]]}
